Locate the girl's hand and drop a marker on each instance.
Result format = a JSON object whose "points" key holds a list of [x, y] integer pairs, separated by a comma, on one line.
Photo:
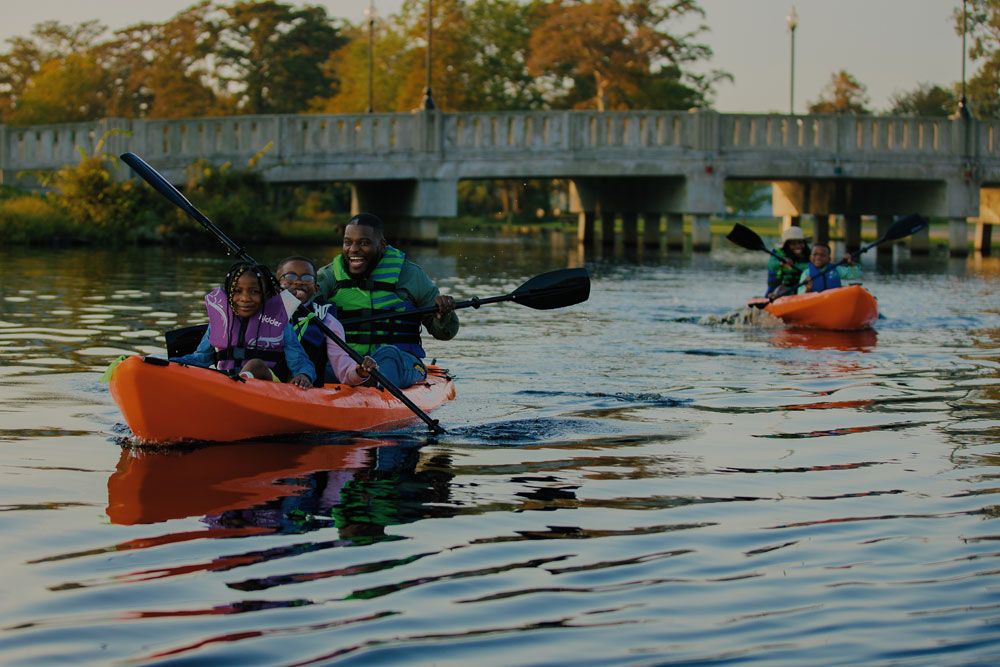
{"points": [[301, 380], [366, 367]]}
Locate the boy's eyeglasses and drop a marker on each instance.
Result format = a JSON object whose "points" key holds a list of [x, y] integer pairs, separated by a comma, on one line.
{"points": [[307, 278]]}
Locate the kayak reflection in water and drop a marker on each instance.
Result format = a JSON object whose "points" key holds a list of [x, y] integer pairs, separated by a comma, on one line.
{"points": [[249, 332], [359, 487]]}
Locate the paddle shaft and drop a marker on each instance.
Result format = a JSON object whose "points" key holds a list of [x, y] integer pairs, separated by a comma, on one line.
{"points": [[165, 188], [416, 312]]}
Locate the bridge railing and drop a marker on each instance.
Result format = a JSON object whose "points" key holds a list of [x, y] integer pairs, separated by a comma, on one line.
{"points": [[361, 137]]}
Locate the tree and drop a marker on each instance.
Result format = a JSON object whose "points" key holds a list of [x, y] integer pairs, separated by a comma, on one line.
{"points": [[64, 91], [394, 58], [272, 55], [745, 196], [924, 100], [163, 70], [608, 49], [983, 25], [49, 40], [842, 94]]}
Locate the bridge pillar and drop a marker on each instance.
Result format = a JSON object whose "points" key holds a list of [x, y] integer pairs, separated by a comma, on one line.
{"points": [[852, 231], [651, 229], [630, 228], [920, 242], [585, 227], [701, 233], [675, 231], [607, 227], [883, 222], [821, 228], [790, 221], [983, 239], [958, 237], [410, 208]]}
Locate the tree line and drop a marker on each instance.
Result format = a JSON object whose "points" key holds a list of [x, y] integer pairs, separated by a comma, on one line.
{"points": [[259, 57], [273, 57]]}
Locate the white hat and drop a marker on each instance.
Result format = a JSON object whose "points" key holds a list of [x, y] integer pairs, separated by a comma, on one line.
{"points": [[792, 234]]}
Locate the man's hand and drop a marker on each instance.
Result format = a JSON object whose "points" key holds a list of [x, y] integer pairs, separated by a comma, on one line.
{"points": [[445, 305], [301, 380]]}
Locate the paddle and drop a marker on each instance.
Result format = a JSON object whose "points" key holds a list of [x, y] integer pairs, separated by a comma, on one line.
{"points": [[165, 188], [555, 289]]}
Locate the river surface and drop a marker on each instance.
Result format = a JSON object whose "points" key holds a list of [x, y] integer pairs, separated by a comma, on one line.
{"points": [[643, 479]]}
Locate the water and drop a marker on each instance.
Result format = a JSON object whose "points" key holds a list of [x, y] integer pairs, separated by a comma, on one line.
{"points": [[645, 478]]}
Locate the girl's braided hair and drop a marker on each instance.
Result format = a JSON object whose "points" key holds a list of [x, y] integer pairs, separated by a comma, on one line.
{"points": [[265, 280]]}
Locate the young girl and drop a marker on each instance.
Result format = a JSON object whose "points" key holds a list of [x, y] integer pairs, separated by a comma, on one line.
{"points": [[248, 330], [784, 275]]}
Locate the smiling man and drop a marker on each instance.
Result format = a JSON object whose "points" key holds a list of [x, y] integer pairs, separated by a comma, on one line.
{"points": [[371, 277]]}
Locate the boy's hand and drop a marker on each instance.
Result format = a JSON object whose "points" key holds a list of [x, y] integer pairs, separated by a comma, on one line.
{"points": [[301, 380]]}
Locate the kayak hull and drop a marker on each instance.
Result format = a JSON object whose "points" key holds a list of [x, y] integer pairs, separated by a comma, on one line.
{"points": [[850, 308], [166, 402]]}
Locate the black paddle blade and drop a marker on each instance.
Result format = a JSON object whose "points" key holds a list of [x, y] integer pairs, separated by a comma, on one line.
{"points": [[555, 289], [911, 224], [746, 238]]}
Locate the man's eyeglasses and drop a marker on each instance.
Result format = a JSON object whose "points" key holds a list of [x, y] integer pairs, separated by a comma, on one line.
{"points": [[307, 278]]}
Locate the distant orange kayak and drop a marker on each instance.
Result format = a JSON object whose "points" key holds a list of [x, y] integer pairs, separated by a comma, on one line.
{"points": [[850, 308], [165, 402]]}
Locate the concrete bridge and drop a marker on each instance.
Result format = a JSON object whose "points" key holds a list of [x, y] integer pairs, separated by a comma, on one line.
{"points": [[648, 166]]}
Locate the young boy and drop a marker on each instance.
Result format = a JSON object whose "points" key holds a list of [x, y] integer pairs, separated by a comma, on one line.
{"points": [[297, 274], [818, 279]]}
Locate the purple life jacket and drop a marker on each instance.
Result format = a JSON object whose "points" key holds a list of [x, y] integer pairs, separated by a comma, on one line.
{"points": [[237, 340]]}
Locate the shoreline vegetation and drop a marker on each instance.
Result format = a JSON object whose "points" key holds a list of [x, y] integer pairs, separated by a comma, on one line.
{"points": [[89, 204]]}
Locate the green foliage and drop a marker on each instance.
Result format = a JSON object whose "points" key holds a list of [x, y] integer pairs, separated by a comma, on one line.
{"points": [[508, 200], [275, 54], [745, 196], [238, 201], [608, 51], [924, 100], [101, 206], [841, 95], [33, 219], [63, 91], [266, 56]]}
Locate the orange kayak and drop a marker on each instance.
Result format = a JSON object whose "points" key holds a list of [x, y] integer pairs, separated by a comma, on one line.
{"points": [[165, 402], [850, 308]]}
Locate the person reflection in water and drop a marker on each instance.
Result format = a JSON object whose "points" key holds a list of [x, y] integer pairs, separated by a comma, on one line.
{"points": [[360, 503]]}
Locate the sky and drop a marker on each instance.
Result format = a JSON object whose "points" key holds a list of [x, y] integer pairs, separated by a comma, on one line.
{"points": [[889, 46]]}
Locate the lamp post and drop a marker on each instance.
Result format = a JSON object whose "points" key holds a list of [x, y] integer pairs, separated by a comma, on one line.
{"points": [[370, 13], [963, 106], [428, 98], [793, 21]]}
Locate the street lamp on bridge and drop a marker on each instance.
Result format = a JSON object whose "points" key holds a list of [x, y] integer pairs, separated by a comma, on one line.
{"points": [[428, 98], [963, 106], [370, 13], [793, 21]]}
